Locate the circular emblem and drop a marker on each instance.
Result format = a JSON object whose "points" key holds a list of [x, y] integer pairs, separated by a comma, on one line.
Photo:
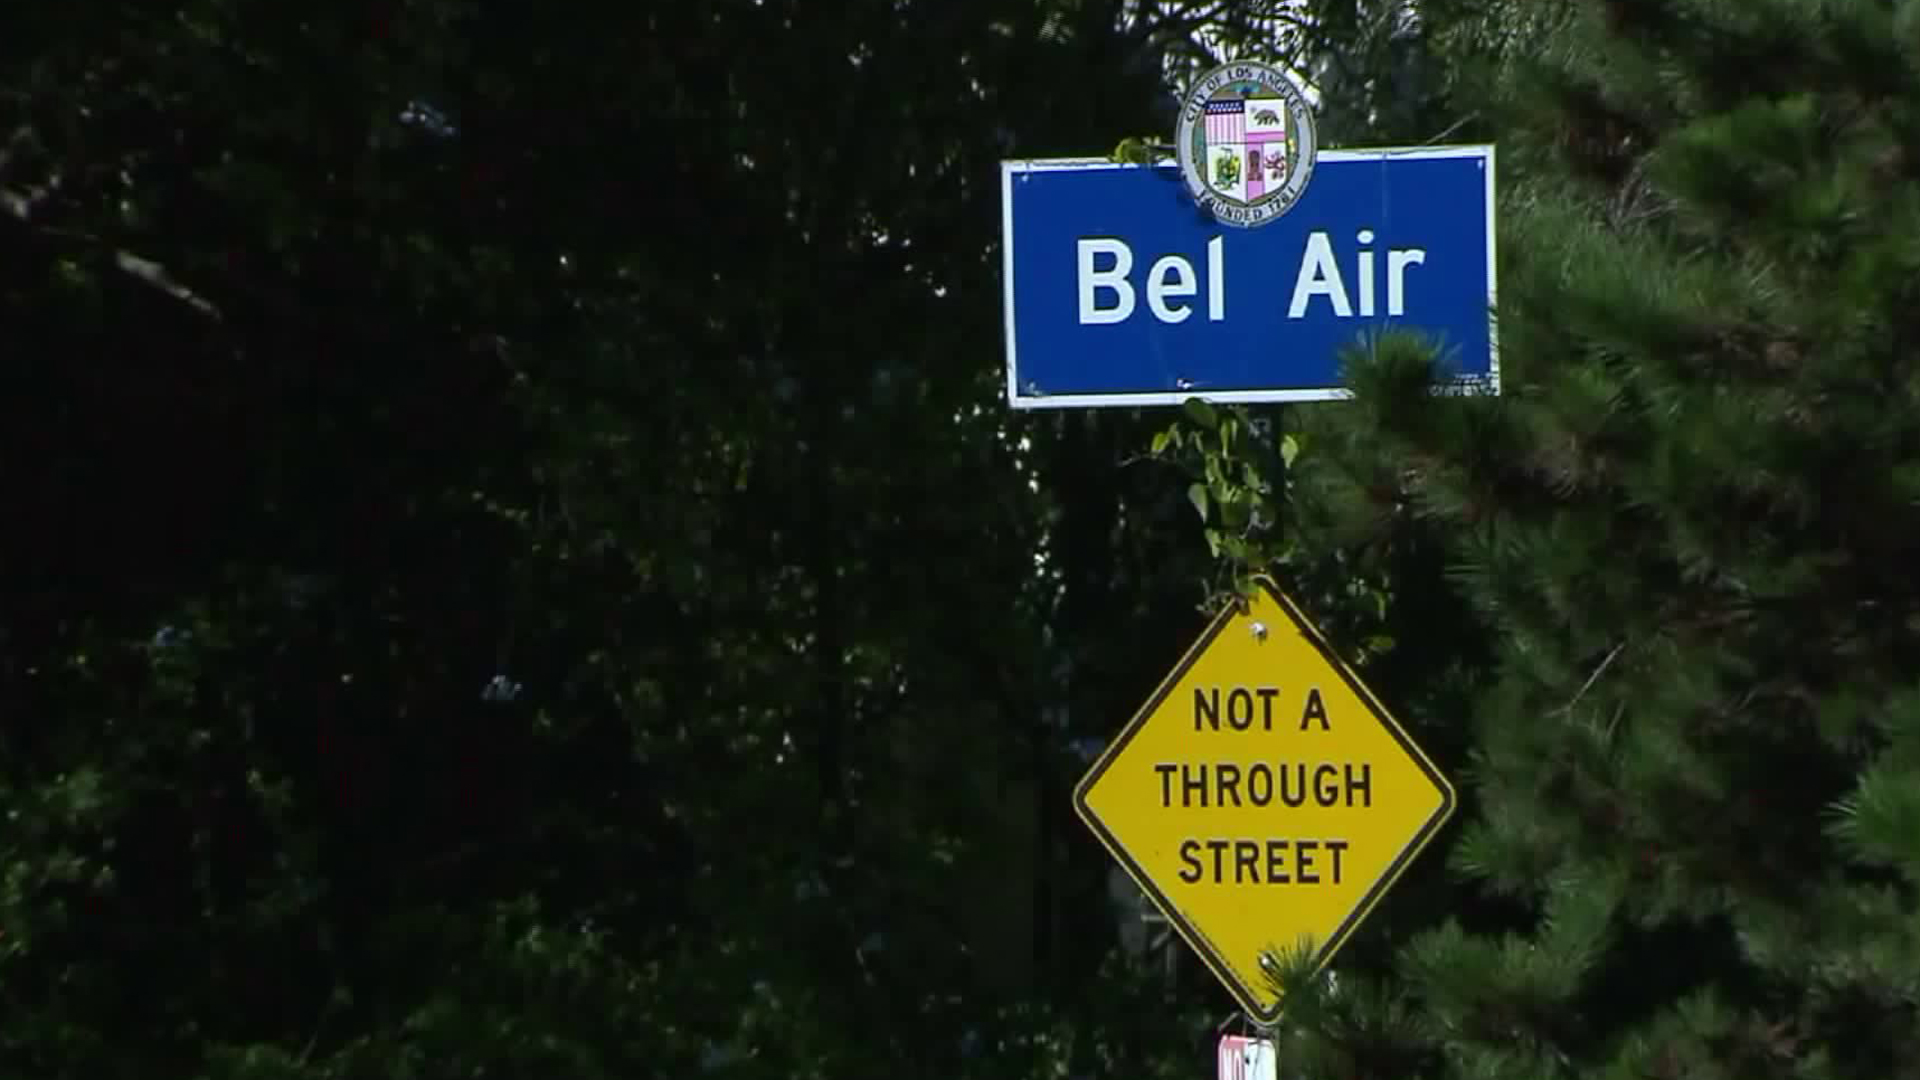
{"points": [[1246, 143]]}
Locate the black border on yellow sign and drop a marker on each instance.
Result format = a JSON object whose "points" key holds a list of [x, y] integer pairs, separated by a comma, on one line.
{"points": [[1198, 941]]}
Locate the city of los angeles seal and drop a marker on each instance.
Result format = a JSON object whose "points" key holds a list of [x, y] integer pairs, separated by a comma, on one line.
{"points": [[1245, 143]]}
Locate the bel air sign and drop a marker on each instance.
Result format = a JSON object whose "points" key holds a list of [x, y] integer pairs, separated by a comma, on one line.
{"points": [[1121, 290]]}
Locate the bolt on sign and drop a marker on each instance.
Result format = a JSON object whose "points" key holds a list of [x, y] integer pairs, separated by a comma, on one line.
{"points": [[1263, 798]]}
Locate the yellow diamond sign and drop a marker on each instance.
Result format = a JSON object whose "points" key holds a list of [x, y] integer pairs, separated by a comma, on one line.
{"points": [[1263, 798]]}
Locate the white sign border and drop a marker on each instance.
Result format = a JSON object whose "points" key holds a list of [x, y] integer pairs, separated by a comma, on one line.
{"points": [[1012, 168]]}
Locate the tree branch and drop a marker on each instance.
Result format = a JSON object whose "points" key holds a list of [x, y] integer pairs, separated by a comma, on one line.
{"points": [[21, 205]]}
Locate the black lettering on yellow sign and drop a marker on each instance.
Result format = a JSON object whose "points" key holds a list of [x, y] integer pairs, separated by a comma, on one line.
{"points": [[1240, 707], [1261, 862], [1261, 783], [1241, 712], [1223, 784], [1315, 710]]}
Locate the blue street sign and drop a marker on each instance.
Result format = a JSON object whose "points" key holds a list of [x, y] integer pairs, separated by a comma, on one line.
{"points": [[1121, 292]]}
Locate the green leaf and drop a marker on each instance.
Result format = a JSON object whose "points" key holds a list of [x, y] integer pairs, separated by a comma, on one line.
{"points": [[1197, 495], [1289, 449], [1202, 413], [1235, 508]]}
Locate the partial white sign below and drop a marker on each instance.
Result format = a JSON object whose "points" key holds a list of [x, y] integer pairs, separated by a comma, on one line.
{"points": [[1243, 1057]]}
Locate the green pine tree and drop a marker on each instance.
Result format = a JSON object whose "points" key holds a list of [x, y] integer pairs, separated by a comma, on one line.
{"points": [[1692, 838]]}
